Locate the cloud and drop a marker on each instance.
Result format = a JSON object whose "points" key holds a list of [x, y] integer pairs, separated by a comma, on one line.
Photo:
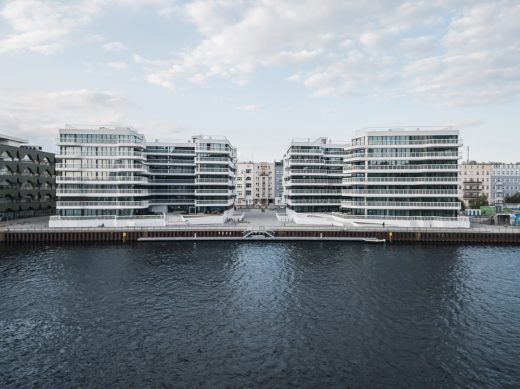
{"points": [[249, 107], [38, 26], [39, 115], [453, 52], [45, 26], [117, 65], [114, 46]]}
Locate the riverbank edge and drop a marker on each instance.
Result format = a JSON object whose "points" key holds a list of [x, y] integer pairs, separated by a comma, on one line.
{"points": [[46, 235]]}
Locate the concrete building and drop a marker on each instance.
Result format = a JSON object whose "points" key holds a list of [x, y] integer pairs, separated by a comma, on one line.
{"points": [[313, 172], [27, 180], [112, 173], [256, 184], [474, 181], [403, 177], [505, 181]]}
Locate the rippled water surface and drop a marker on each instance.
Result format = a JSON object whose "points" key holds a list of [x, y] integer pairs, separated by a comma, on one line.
{"points": [[263, 314]]}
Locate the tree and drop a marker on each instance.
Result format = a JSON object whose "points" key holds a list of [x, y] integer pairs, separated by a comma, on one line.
{"points": [[513, 199], [479, 201]]}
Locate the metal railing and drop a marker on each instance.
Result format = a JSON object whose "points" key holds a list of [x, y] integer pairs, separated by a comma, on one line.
{"points": [[63, 179], [384, 217], [214, 159], [401, 191], [313, 201], [324, 191], [402, 167], [455, 142], [100, 154], [316, 171], [212, 180], [101, 141], [101, 167], [173, 181], [403, 155], [102, 204], [219, 191], [117, 191], [110, 217], [214, 202], [297, 181], [171, 171], [212, 170], [400, 204], [453, 180]]}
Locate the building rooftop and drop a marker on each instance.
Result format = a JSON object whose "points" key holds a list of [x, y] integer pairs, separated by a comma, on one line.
{"points": [[321, 141], [101, 129], [399, 130], [11, 140]]}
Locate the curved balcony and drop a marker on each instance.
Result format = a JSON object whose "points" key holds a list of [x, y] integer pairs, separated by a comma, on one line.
{"points": [[214, 192], [102, 155], [178, 153], [171, 172], [410, 205], [85, 192], [102, 204], [311, 182], [172, 191], [169, 162], [101, 168], [400, 180], [171, 202], [315, 172], [214, 203], [173, 181], [409, 143], [211, 170], [404, 156], [314, 192], [214, 160], [102, 142], [305, 162], [315, 151], [213, 181], [313, 201], [400, 192], [100, 180], [402, 168]]}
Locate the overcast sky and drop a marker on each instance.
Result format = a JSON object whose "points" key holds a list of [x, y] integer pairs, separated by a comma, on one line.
{"points": [[263, 72]]}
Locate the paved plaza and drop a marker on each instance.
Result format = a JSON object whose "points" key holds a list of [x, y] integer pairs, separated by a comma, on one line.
{"points": [[267, 218]]}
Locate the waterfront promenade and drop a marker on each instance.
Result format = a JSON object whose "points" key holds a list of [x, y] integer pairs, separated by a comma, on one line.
{"points": [[255, 224]]}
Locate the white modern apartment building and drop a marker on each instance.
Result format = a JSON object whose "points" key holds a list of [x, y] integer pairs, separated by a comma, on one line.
{"points": [[403, 177], [256, 184], [106, 173], [313, 173], [215, 173], [505, 181]]}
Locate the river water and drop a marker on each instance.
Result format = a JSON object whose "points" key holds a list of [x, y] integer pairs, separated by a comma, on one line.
{"points": [[259, 314]]}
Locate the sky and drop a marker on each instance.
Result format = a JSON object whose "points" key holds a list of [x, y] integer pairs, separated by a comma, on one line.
{"points": [[263, 72]]}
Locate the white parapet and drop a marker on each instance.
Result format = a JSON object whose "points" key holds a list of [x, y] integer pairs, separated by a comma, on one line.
{"points": [[106, 221], [401, 221]]}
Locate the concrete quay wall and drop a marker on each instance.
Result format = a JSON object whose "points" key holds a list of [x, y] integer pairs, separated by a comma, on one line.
{"points": [[109, 235]]}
